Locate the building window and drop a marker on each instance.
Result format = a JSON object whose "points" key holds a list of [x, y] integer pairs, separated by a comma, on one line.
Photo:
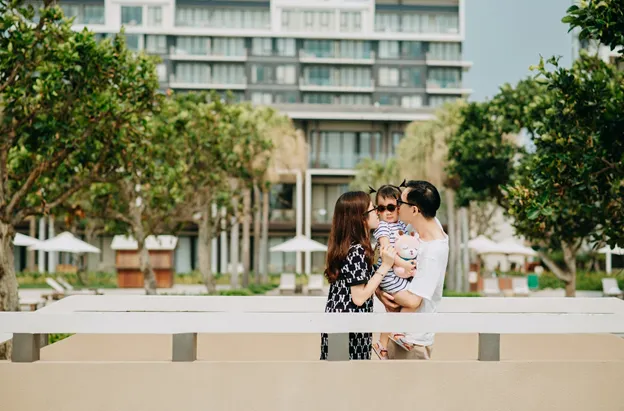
{"points": [[267, 74], [351, 21], [195, 46], [340, 150], [228, 74], [131, 15], [281, 262], [411, 101], [156, 44], [444, 51], [134, 41], [282, 203], [413, 77], [388, 77], [84, 14], [309, 19], [286, 18], [198, 73], [437, 101], [261, 98], [262, 46], [285, 97], [286, 47], [324, 197], [444, 78], [214, 17], [228, 46], [388, 49], [161, 70], [337, 77], [318, 48], [395, 141], [154, 16], [412, 50]]}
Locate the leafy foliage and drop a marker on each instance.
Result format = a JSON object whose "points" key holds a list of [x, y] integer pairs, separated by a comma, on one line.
{"points": [[600, 20], [373, 173]]}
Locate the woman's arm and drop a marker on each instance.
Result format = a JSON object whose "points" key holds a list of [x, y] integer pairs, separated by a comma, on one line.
{"points": [[362, 292]]}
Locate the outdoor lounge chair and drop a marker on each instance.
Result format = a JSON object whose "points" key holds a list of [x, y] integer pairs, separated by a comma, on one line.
{"points": [[520, 286], [315, 284], [491, 288], [610, 288], [287, 284]]}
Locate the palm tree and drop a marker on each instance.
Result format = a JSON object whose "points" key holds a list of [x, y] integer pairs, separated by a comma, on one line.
{"points": [[372, 173]]}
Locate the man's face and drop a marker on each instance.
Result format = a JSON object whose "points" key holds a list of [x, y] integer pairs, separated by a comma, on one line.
{"points": [[406, 212]]}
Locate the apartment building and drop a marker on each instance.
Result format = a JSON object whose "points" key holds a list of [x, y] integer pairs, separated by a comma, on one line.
{"points": [[350, 73]]}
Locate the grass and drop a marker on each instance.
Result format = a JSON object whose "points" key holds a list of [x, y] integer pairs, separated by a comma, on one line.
{"points": [[449, 293], [585, 280]]}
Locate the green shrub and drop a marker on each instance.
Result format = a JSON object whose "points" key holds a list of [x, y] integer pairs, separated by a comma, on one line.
{"points": [[52, 338], [449, 293], [585, 280], [27, 279], [240, 292]]}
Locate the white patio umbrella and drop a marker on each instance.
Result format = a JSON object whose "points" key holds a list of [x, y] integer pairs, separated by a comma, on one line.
{"points": [[22, 240], [67, 243], [299, 243], [481, 243], [509, 247]]}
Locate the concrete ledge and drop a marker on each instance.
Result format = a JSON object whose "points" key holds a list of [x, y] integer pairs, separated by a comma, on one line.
{"points": [[310, 386]]}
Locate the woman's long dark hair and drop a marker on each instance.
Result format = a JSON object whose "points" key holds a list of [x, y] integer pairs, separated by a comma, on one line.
{"points": [[349, 226]]}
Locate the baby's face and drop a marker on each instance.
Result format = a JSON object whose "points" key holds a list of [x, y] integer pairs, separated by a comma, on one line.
{"points": [[384, 213]]}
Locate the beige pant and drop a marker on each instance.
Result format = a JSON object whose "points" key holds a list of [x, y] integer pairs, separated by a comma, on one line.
{"points": [[417, 353]]}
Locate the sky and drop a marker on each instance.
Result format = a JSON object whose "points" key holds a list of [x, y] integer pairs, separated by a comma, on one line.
{"points": [[505, 37]]}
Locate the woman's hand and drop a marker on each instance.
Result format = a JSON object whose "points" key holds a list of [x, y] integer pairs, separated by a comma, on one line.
{"points": [[387, 256]]}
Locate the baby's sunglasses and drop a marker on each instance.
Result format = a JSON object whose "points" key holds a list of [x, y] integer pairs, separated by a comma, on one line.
{"points": [[390, 207]]}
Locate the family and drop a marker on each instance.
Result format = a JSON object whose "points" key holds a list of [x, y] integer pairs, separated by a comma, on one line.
{"points": [[408, 275]]}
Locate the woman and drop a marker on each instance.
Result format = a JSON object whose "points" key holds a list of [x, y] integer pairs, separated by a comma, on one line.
{"points": [[349, 266]]}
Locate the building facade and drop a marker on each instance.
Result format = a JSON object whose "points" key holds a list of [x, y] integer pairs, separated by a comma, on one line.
{"points": [[350, 73]]}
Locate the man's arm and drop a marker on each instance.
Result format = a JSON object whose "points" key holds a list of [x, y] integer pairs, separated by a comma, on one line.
{"points": [[387, 300]]}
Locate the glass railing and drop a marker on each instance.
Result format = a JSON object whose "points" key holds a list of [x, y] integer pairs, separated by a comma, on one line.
{"points": [[331, 82], [444, 84]]}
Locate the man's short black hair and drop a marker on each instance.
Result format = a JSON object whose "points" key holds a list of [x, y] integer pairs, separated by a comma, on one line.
{"points": [[425, 196]]}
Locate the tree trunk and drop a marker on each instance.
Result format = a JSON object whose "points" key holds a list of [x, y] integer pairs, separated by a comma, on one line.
{"points": [[458, 255], [465, 229], [451, 278], [265, 235], [569, 256], [205, 252], [234, 248], [567, 275], [257, 228], [9, 299], [31, 254], [149, 278], [246, 249]]}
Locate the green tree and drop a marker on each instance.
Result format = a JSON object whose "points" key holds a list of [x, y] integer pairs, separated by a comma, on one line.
{"points": [[570, 190], [148, 193], [423, 155], [601, 20], [70, 106]]}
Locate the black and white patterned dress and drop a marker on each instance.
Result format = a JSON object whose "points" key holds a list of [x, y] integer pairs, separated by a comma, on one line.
{"points": [[354, 271]]}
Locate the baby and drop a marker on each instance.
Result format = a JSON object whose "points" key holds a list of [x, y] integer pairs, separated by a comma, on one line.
{"points": [[387, 233]]}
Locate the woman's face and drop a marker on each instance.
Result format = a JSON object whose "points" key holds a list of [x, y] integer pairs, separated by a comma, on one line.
{"points": [[373, 219]]}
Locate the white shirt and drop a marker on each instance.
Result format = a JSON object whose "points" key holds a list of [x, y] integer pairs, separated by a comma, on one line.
{"points": [[428, 282]]}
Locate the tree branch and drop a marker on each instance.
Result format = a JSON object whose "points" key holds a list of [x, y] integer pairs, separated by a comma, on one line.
{"points": [[554, 267]]}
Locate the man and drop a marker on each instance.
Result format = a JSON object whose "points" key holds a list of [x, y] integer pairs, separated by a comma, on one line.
{"points": [[418, 206]]}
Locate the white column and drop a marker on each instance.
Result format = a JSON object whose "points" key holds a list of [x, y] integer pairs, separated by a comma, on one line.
{"points": [[308, 218], [462, 19], [299, 215], [608, 262], [224, 245], [42, 236], [52, 257]]}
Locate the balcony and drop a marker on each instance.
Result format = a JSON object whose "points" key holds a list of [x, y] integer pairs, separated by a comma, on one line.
{"points": [[330, 58], [178, 54], [437, 60], [206, 84], [524, 351], [446, 87], [306, 84]]}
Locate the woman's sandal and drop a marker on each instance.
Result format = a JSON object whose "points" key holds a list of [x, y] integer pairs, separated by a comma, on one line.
{"points": [[381, 352]]}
